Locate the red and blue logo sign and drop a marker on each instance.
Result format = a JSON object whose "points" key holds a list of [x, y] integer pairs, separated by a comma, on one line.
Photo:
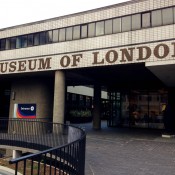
{"points": [[25, 111]]}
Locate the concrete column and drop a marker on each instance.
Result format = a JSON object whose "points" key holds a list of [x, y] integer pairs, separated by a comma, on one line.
{"points": [[169, 119], [97, 107], [16, 154], [59, 97]]}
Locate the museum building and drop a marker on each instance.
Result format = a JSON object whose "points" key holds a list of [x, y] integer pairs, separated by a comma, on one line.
{"points": [[126, 50]]}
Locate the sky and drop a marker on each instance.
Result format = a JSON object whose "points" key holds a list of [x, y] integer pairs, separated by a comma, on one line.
{"points": [[16, 12]]}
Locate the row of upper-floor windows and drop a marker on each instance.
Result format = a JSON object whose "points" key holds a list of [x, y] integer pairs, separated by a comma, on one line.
{"points": [[105, 27]]}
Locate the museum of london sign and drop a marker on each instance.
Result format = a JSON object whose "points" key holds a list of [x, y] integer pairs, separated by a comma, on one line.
{"points": [[114, 56]]}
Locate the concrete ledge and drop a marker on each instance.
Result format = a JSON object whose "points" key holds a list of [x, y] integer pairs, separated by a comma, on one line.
{"points": [[8, 170], [168, 135]]}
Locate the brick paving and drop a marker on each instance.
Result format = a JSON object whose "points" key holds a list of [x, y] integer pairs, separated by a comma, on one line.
{"points": [[124, 151]]}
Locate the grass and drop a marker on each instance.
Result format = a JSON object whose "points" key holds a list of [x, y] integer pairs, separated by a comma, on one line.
{"points": [[49, 171]]}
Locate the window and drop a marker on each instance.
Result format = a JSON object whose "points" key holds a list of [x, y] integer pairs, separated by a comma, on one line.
{"points": [[68, 33], [18, 42], [76, 32], [126, 23], [2, 44], [74, 97], [108, 26], [42, 38], [119, 24], [13, 43], [91, 30], [167, 16], [136, 21], [62, 35], [55, 35], [174, 14], [24, 41], [84, 31], [156, 18], [146, 20], [99, 28], [116, 25], [49, 36], [7, 44], [30, 40], [36, 39]]}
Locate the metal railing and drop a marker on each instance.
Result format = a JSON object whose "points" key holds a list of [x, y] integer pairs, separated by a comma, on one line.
{"points": [[61, 147]]}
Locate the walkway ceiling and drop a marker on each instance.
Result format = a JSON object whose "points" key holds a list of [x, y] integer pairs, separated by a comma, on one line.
{"points": [[128, 76], [164, 70], [118, 76]]}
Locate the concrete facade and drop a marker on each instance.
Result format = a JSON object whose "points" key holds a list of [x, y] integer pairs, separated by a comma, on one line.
{"points": [[31, 90], [99, 58]]}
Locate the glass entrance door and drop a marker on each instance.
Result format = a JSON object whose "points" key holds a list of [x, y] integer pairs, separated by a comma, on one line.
{"points": [[138, 108], [115, 109]]}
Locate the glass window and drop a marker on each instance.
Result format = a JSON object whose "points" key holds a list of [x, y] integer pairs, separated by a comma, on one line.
{"points": [[49, 36], [30, 40], [24, 41], [99, 28], [62, 34], [42, 38], [116, 25], [2, 44], [55, 35], [18, 42], [13, 43], [174, 13], [108, 26], [136, 21], [84, 31], [91, 29], [167, 16], [76, 32], [36, 39], [7, 44], [126, 23], [146, 20], [156, 18], [68, 33]]}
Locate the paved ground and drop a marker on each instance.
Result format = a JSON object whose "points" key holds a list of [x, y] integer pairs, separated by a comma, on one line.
{"points": [[124, 151]]}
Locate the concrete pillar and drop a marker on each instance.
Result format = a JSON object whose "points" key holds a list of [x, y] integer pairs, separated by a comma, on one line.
{"points": [[169, 119], [16, 154], [59, 97], [97, 107]]}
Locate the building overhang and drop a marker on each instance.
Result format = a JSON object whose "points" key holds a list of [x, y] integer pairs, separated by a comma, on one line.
{"points": [[164, 70]]}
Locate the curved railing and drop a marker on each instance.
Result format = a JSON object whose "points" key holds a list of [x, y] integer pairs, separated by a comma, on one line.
{"points": [[61, 147]]}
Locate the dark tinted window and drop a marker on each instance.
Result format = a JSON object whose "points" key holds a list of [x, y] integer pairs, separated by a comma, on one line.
{"points": [[55, 35], [2, 44], [13, 43], [146, 20], [84, 31], [30, 40], [91, 30], [42, 38], [24, 41], [49, 36], [36, 39], [18, 42], [7, 44], [68, 33], [62, 34], [156, 18]]}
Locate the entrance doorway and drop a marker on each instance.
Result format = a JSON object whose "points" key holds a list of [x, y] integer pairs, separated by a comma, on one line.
{"points": [[137, 108], [4, 101]]}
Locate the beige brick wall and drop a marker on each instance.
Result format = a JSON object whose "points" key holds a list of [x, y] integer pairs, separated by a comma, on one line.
{"points": [[85, 46], [39, 92]]}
